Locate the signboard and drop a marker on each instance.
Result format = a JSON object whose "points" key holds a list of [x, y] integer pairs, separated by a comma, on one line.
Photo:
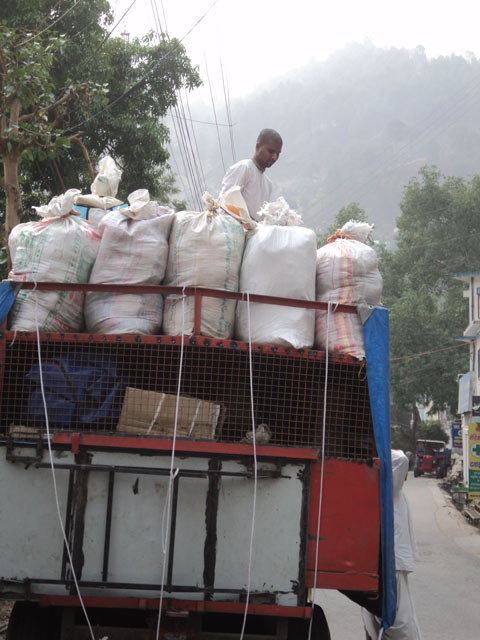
{"points": [[475, 405], [457, 442], [474, 460], [464, 393]]}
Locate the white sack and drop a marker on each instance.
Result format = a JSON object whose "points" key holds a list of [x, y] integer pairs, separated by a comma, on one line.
{"points": [[347, 273], [107, 179], [279, 212], [133, 250], [278, 261], [60, 248], [206, 251], [97, 206]]}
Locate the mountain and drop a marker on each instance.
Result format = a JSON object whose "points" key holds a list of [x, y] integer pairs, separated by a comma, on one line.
{"points": [[356, 128]]}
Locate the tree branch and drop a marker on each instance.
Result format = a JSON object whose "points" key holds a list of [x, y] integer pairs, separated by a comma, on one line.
{"points": [[76, 139]]}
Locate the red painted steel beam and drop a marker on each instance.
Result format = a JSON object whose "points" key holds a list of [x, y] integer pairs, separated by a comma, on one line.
{"points": [[76, 440], [188, 291], [197, 606]]}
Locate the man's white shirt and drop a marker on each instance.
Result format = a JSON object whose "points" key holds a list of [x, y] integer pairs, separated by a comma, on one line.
{"points": [[255, 186]]}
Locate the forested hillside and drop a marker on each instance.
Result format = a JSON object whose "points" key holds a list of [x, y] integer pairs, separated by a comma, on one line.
{"points": [[357, 127]]}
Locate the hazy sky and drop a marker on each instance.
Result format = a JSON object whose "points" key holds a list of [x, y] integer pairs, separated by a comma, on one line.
{"points": [[260, 39]]}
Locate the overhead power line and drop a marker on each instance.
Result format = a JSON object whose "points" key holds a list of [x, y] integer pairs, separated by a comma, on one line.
{"points": [[155, 64], [33, 37]]}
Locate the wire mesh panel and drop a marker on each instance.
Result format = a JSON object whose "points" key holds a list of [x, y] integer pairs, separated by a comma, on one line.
{"points": [[130, 384]]}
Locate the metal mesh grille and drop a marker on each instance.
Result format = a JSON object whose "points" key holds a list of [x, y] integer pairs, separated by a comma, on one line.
{"points": [[102, 386]]}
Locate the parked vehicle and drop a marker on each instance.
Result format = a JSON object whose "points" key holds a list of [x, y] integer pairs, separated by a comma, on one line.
{"points": [[132, 487], [432, 456]]}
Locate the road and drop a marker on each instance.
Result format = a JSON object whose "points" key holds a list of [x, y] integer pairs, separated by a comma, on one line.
{"points": [[446, 582]]}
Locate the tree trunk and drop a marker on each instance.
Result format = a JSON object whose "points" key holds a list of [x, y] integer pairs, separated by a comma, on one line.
{"points": [[415, 422], [12, 191]]}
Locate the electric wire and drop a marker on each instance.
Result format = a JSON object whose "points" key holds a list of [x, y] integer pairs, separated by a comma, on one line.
{"points": [[24, 42], [193, 152], [427, 353], [226, 94], [184, 141], [215, 114], [204, 184], [139, 83]]}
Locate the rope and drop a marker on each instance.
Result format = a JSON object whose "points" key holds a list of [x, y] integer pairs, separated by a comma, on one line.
{"points": [[167, 508], [255, 467], [320, 497], [339, 234], [52, 467]]}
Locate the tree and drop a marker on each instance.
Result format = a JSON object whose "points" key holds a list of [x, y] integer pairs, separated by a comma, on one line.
{"points": [[352, 211], [427, 310], [31, 113], [127, 87]]}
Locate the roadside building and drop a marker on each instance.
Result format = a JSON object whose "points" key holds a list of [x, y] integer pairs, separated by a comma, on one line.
{"points": [[469, 388]]}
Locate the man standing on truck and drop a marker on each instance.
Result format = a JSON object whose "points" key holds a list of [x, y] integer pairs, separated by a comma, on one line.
{"points": [[256, 187]]}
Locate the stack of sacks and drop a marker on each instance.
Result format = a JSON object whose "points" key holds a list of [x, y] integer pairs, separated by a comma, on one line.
{"points": [[93, 206], [347, 273], [205, 251], [279, 260], [60, 248], [133, 250]]}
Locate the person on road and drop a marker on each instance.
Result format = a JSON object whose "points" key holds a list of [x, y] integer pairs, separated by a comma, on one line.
{"points": [[249, 175], [405, 625]]}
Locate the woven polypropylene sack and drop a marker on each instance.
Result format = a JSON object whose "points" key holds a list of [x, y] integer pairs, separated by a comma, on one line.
{"points": [[206, 251], [61, 249], [278, 261], [347, 273], [131, 252]]}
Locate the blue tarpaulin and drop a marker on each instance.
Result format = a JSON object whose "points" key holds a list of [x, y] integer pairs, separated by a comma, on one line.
{"points": [[376, 338], [7, 298]]}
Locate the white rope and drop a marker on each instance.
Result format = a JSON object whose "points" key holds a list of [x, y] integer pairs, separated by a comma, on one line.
{"points": [[255, 477], [167, 508], [52, 467], [322, 473]]}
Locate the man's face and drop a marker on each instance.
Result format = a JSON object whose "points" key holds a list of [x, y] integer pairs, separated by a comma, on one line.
{"points": [[267, 154]]}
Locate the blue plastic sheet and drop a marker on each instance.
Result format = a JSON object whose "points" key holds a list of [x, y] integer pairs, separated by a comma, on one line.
{"points": [[7, 298], [377, 351], [77, 391]]}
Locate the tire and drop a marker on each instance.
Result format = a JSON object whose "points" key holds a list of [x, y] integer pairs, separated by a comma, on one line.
{"points": [[30, 621], [298, 628]]}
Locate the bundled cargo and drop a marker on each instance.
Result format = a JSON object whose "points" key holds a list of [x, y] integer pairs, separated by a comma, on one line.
{"points": [[59, 248], [347, 273], [279, 260], [205, 251], [102, 199], [133, 250]]}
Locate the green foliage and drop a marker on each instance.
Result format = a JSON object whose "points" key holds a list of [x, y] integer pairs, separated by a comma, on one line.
{"points": [[127, 87], [352, 211], [427, 309], [432, 431]]}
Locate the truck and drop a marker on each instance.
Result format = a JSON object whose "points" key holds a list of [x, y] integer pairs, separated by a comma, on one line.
{"points": [[190, 487], [432, 456]]}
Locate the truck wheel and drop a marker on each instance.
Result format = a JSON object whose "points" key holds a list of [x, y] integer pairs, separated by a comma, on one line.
{"points": [[30, 621], [298, 628]]}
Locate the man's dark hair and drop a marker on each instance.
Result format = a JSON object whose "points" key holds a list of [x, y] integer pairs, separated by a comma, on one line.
{"points": [[269, 135]]}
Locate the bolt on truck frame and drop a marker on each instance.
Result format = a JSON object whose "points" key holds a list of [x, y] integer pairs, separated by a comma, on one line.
{"points": [[127, 504]]}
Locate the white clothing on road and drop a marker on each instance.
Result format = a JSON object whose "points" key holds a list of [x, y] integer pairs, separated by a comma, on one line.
{"points": [[256, 187], [405, 625]]}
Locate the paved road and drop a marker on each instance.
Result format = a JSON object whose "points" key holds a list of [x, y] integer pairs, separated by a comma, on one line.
{"points": [[446, 581]]}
